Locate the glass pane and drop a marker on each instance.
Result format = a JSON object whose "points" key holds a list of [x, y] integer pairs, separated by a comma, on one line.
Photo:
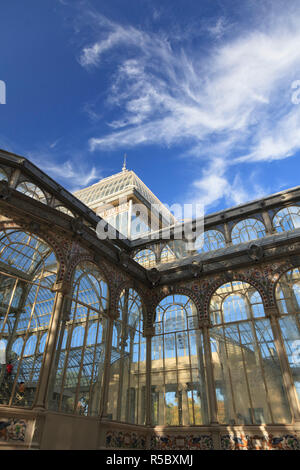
{"points": [[178, 368], [26, 303], [291, 336], [272, 372], [77, 385]]}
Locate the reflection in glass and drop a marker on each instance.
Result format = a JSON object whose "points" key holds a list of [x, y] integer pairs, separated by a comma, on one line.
{"points": [[247, 374], [178, 371]]}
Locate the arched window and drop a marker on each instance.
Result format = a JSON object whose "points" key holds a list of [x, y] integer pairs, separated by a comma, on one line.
{"points": [[94, 334], [64, 210], [25, 252], [210, 240], [17, 346], [30, 346], [167, 255], [146, 258], [81, 345], [178, 373], [247, 374], [42, 343], [126, 397], [246, 230], [77, 337], [287, 292], [288, 303], [6, 298], [287, 219], [130, 307], [27, 273], [64, 340], [32, 190], [3, 175], [116, 336]]}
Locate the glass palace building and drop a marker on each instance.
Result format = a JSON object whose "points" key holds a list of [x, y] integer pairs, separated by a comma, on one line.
{"points": [[140, 342]]}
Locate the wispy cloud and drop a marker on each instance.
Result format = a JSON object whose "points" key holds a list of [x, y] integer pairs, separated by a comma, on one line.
{"points": [[219, 28], [231, 105], [73, 172], [215, 185]]}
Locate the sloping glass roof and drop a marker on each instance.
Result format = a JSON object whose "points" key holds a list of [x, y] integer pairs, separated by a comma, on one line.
{"points": [[27, 254], [115, 184], [107, 187]]}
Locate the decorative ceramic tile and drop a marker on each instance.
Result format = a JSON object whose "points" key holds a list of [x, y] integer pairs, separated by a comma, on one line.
{"points": [[125, 440], [259, 442], [185, 441], [12, 429]]}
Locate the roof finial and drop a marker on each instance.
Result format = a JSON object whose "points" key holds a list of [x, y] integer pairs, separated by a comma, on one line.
{"points": [[124, 164]]}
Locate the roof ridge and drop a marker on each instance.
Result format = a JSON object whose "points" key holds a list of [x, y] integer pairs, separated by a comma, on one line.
{"points": [[107, 178]]}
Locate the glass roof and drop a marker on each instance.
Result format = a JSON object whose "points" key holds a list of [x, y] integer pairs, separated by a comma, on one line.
{"points": [[118, 183], [27, 253]]}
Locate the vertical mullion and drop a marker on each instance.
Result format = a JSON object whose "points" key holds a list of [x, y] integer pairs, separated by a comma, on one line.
{"points": [[229, 374], [246, 376], [9, 305], [177, 379], [191, 375], [130, 358], [82, 359], [38, 334], [138, 377], [23, 347], [70, 330], [164, 376], [262, 369], [93, 365]]}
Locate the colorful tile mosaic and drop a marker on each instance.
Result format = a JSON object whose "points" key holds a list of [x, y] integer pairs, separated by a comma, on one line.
{"points": [[177, 442], [125, 440], [259, 442], [12, 429]]}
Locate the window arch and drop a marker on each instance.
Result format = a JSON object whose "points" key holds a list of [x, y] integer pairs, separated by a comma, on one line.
{"points": [[90, 288], [248, 379], [3, 175], [287, 292], [64, 210], [81, 345], [32, 190], [287, 219], [17, 346], [246, 230], [210, 240], [42, 343], [26, 252], [236, 301], [146, 258], [178, 372], [30, 346], [167, 255], [77, 337], [27, 273], [94, 334], [130, 307], [116, 336], [126, 397]]}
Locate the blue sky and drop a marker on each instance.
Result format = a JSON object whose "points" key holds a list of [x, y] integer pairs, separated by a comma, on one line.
{"points": [[197, 93]]}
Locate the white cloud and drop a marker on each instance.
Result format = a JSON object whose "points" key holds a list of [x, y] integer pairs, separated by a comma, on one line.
{"points": [[215, 184], [73, 173], [236, 97], [219, 28]]}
